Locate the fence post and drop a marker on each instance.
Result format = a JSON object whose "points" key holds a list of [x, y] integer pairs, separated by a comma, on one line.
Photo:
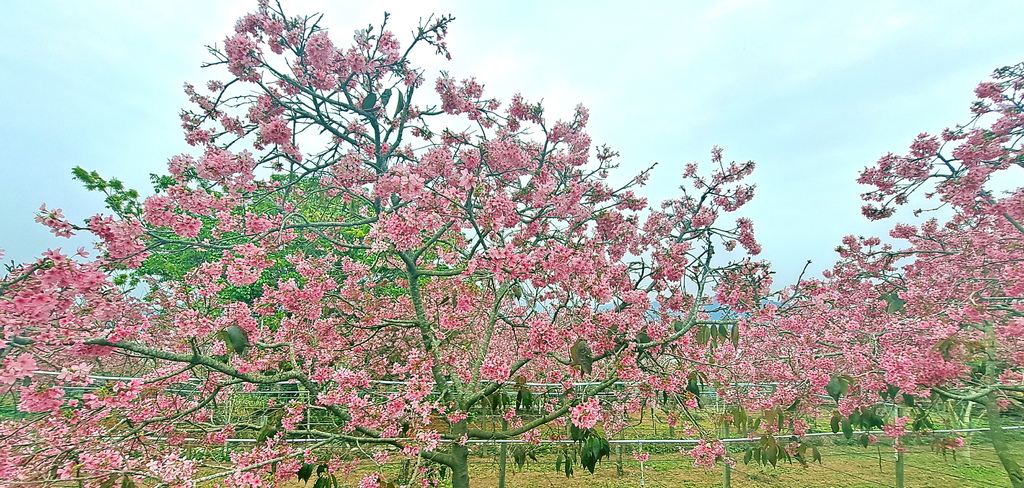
{"points": [[899, 469], [654, 422], [899, 455], [618, 465], [728, 468]]}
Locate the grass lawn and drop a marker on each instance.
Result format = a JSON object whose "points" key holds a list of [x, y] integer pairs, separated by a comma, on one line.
{"points": [[843, 466]]}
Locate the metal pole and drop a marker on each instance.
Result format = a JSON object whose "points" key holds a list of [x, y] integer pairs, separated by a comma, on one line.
{"points": [[899, 455], [728, 467], [618, 465]]}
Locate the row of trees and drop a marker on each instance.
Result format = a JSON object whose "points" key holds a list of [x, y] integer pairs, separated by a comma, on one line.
{"points": [[329, 233]]}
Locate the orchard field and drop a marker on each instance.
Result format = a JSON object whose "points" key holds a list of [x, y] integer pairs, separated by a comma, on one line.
{"points": [[366, 274]]}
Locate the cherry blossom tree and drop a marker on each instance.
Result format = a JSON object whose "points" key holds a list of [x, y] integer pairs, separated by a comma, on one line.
{"points": [[937, 312], [330, 234], [965, 276]]}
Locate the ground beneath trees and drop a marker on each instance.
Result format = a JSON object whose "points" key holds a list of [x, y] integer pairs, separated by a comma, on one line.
{"points": [[843, 467]]}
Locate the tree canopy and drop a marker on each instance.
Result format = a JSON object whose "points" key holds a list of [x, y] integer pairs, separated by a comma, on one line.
{"points": [[408, 265]]}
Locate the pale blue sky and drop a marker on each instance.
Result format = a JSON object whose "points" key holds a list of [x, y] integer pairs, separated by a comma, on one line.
{"points": [[813, 91]]}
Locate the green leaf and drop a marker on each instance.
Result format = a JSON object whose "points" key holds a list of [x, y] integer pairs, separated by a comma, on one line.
{"points": [[815, 455], [875, 422], [605, 449], [79, 173], [497, 401], [703, 335], [863, 440], [588, 456], [524, 399], [847, 428], [576, 433], [400, 105], [748, 455], [739, 419], [236, 338], [837, 387], [305, 472], [265, 432], [519, 455], [384, 98], [772, 455], [693, 386], [370, 101], [893, 303]]}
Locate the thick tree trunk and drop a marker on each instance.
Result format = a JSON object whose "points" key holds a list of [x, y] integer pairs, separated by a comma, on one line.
{"points": [[998, 437], [460, 466], [458, 459]]}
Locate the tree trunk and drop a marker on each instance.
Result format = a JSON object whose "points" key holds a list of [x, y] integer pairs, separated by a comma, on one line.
{"points": [[502, 457], [460, 466], [458, 459], [998, 437], [965, 423]]}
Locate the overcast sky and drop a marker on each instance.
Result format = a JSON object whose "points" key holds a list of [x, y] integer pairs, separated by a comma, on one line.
{"points": [[813, 91]]}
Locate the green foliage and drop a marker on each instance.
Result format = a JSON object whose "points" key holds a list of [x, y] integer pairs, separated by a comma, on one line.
{"points": [[123, 201], [172, 257], [324, 478], [589, 449], [838, 386], [769, 451], [893, 303]]}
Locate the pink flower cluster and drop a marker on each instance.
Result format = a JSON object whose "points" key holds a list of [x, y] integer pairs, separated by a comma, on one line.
{"points": [[462, 98], [705, 453], [544, 337], [245, 264], [55, 220], [174, 470], [32, 399], [122, 239], [16, 368], [897, 428], [496, 367], [586, 414], [243, 57]]}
